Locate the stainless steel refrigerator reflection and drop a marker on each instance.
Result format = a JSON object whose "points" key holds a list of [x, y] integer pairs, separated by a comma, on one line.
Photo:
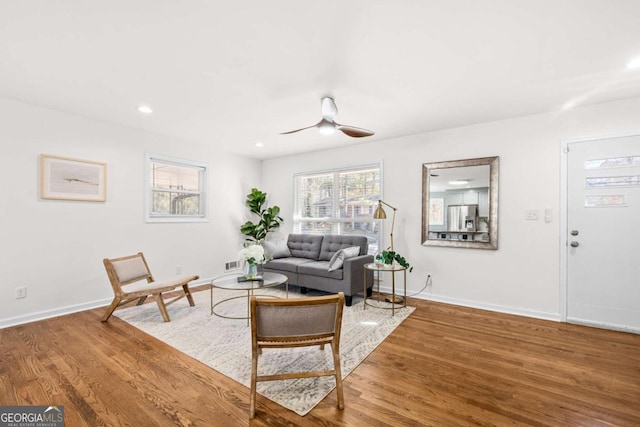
{"points": [[462, 217]]}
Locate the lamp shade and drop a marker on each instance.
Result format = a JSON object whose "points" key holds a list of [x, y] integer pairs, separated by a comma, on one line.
{"points": [[379, 213]]}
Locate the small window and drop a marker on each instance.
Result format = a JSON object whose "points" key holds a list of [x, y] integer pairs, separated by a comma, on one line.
{"points": [[175, 190]]}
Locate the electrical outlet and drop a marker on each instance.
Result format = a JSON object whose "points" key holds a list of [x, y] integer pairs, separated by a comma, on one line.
{"points": [[429, 281], [178, 269], [21, 292]]}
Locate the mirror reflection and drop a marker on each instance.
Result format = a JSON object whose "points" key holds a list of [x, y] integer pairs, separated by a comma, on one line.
{"points": [[460, 203]]}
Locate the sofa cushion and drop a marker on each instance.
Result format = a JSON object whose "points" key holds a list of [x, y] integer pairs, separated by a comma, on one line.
{"points": [[287, 264], [333, 243], [320, 269], [305, 245], [276, 249], [338, 258]]}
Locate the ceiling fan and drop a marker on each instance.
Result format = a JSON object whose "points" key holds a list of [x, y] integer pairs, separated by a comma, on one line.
{"points": [[328, 125]]}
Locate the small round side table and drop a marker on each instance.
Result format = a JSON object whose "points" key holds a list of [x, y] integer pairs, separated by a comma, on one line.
{"points": [[392, 269]]}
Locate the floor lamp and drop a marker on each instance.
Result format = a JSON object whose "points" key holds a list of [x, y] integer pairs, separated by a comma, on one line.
{"points": [[379, 213]]}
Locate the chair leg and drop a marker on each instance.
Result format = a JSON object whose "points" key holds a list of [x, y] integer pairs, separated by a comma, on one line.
{"points": [[254, 377], [338, 370], [187, 292], [141, 300], [110, 310], [162, 307]]}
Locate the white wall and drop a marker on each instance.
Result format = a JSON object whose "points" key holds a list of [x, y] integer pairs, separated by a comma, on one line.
{"points": [[523, 275], [55, 248]]}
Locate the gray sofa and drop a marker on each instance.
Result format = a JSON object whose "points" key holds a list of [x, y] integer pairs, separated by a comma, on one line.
{"points": [[306, 260]]}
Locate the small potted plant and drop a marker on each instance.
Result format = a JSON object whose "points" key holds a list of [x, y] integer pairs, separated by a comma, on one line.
{"points": [[388, 257], [252, 256]]}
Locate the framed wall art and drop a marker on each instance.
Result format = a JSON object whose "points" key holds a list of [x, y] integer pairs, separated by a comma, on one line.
{"points": [[64, 178], [436, 211]]}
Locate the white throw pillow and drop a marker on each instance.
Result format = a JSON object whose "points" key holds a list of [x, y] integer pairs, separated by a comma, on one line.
{"points": [[338, 258], [276, 249]]}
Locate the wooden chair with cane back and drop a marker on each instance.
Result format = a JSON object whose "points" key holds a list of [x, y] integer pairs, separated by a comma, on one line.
{"points": [[296, 322], [131, 279]]}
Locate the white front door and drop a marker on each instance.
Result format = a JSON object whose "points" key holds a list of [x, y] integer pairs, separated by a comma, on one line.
{"points": [[603, 233]]}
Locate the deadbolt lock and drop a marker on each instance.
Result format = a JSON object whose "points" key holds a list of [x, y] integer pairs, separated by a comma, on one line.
{"points": [[574, 232], [575, 244]]}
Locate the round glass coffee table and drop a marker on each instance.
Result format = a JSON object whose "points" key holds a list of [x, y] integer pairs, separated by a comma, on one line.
{"points": [[237, 282]]}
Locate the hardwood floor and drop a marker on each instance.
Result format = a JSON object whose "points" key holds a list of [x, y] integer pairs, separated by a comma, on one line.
{"points": [[444, 366]]}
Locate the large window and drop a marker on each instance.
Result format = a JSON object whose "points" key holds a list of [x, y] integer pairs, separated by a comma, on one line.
{"points": [[176, 190], [339, 202]]}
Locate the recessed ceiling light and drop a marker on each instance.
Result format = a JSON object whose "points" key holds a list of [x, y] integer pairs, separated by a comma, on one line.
{"points": [[259, 144], [145, 109], [634, 63], [459, 182]]}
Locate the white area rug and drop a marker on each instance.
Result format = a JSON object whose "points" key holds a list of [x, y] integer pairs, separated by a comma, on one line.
{"points": [[225, 344]]}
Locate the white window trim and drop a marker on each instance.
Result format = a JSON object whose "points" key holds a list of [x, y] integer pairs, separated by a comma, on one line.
{"points": [[204, 195]]}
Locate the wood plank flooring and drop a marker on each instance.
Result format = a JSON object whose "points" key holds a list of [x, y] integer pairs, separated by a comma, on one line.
{"points": [[444, 366]]}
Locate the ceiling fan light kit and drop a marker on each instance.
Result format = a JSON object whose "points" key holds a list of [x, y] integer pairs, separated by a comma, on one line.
{"points": [[325, 127], [328, 125]]}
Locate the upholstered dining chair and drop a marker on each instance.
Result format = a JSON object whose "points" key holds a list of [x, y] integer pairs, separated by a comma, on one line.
{"points": [[131, 279], [295, 322]]}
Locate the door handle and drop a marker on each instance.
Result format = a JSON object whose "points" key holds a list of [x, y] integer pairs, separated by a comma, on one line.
{"points": [[574, 244]]}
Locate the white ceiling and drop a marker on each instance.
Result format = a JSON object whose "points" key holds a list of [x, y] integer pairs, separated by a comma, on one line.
{"points": [[230, 74], [477, 177]]}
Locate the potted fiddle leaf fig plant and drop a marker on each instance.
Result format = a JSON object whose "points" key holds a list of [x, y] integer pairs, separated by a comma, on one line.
{"points": [[388, 257], [269, 218]]}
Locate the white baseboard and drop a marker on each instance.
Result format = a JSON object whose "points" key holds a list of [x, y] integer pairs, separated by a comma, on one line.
{"points": [[48, 314], [474, 304], [61, 311], [602, 325]]}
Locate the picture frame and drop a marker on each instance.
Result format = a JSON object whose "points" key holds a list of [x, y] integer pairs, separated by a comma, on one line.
{"points": [[436, 211], [66, 178]]}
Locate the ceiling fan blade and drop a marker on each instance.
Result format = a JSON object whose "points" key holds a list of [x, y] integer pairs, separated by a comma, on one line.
{"points": [[354, 132], [297, 130], [329, 109], [328, 125]]}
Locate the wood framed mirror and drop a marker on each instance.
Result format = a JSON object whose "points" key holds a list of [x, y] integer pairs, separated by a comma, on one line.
{"points": [[460, 203]]}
